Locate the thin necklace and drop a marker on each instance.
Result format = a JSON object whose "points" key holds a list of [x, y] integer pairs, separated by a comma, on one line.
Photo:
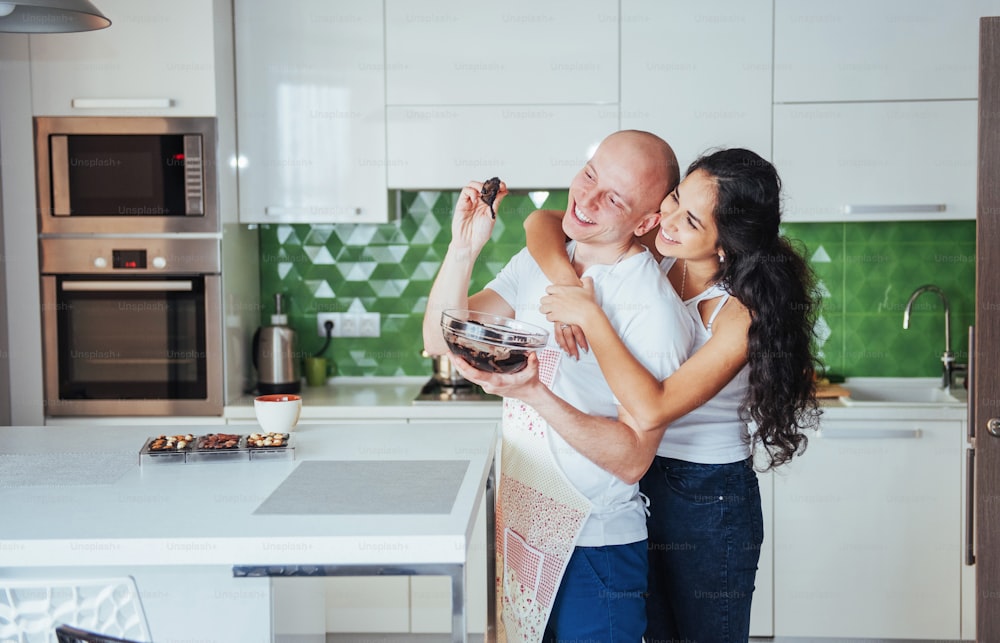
{"points": [[684, 278], [572, 257]]}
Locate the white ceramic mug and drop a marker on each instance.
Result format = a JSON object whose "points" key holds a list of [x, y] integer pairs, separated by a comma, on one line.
{"points": [[277, 413]]}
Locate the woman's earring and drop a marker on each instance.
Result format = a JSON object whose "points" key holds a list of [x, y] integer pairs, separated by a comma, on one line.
{"points": [[722, 258]]}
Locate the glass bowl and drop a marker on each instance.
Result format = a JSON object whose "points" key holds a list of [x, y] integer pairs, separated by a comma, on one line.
{"points": [[489, 342]]}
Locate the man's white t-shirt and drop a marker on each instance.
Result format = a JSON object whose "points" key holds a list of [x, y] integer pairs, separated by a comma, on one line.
{"points": [[654, 325]]}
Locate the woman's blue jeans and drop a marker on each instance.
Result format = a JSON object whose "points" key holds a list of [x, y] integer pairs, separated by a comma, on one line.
{"points": [[705, 532]]}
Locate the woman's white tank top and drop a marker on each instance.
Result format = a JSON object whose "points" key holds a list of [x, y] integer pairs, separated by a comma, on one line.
{"points": [[713, 433]]}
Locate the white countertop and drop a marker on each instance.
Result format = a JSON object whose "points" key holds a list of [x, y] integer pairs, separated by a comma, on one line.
{"points": [[371, 397], [859, 408], [204, 513], [350, 398], [380, 399]]}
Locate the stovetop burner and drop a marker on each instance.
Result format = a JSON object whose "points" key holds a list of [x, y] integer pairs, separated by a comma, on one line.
{"points": [[434, 391]]}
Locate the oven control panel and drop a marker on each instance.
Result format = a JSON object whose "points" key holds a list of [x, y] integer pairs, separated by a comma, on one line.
{"points": [[128, 259], [140, 256]]}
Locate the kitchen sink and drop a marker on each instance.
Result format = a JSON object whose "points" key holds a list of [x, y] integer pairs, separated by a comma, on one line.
{"points": [[893, 391]]}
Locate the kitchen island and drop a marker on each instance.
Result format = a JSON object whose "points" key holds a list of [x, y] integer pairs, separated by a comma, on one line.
{"points": [[203, 539]]}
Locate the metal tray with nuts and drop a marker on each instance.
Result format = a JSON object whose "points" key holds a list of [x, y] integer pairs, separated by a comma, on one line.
{"points": [[269, 445], [217, 447], [163, 449]]}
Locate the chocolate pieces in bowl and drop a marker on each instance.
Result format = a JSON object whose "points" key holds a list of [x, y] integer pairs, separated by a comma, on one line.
{"points": [[489, 193], [491, 343]]}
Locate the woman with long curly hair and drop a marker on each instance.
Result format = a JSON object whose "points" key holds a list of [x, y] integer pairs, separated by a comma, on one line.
{"points": [[748, 387]]}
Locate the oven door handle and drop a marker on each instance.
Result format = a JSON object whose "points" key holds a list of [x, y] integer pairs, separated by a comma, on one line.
{"points": [[132, 286]]}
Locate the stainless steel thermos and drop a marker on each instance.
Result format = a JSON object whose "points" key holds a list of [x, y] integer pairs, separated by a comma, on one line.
{"points": [[275, 355]]}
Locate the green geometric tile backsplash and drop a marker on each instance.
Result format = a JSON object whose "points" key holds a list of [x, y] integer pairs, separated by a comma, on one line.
{"points": [[866, 272], [384, 268]]}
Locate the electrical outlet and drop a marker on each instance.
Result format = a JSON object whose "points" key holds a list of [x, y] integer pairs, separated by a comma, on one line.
{"points": [[336, 318], [370, 325], [350, 325]]}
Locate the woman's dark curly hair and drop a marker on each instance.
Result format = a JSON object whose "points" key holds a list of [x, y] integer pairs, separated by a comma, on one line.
{"points": [[767, 275]]}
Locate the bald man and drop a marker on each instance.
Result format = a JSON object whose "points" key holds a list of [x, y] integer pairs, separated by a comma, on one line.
{"points": [[571, 536]]}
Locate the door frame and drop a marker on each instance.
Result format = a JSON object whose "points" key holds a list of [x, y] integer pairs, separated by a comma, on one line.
{"points": [[984, 401]]}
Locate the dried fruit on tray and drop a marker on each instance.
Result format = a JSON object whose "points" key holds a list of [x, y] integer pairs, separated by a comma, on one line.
{"points": [[219, 441]]}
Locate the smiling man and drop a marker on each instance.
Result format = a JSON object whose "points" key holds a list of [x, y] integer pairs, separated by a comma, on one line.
{"points": [[571, 536]]}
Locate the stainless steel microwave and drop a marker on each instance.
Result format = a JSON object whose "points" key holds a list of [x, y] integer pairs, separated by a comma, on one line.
{"points": [[115, 175]]}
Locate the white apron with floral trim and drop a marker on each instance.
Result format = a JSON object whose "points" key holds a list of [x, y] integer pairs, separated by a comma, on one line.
{"points": [[539, 517]]}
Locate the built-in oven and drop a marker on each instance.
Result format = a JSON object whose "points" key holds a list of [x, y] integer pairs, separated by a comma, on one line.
{"points": [[132, 326], [115, 175]]}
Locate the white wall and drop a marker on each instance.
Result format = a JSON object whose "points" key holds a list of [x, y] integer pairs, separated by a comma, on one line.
{"points": [[4, 346], [21, 300], [240, 247]]}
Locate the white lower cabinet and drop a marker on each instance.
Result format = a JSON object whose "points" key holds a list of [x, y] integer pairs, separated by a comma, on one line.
{"points": [[367, 604], [867, 532], [417, 604], [762, 607], [968, 603], [380, 604], [430, 596], [968, 571], [360, 604]]}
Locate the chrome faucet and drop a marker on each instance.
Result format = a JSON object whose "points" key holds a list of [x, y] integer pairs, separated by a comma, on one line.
{"points": [[949, 367]]}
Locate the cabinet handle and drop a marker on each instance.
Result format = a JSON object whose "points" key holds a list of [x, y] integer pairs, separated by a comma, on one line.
{"points": [[970, 384], [970, 506], [131, 286], [870, 434], [894, 209], [121, 103], [311, 210]]}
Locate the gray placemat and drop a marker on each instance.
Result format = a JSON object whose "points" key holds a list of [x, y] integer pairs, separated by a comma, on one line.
{"points": [[368, 487], [64, 469]]}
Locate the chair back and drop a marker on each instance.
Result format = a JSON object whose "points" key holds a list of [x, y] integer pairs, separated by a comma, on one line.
{"points": [[32, 609], [70, 634]]}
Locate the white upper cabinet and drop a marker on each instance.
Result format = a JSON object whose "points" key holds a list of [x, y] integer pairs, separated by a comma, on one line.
{"points": [[310, 86], [521, 89], [156, 58], [698, 74], [858, 50], [528, 146], [455, 52], [875, 108], [877, 161]]}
